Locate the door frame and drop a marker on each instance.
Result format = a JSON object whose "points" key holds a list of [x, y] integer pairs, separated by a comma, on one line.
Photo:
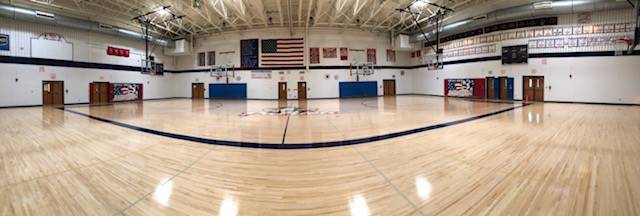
{"points": [[523, 84], [486, 91], [42, 90], [394, 87], [203, 88], [506, 93], [305, 90], [286, 91], [99, 82]]}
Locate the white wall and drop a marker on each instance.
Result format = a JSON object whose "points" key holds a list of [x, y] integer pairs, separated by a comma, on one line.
{"points": [[87, 47], [594, 79], [28, 89], [318, 86]]}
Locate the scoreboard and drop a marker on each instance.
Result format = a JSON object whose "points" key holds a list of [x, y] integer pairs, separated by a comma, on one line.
{"points": [[515, 54]]}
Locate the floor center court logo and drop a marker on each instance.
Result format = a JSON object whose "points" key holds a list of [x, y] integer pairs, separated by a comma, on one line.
{"points": [[284, 111]]}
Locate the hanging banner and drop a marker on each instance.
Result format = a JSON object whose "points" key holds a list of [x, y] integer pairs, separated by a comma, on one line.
{"points": [[391, 55], [371, 56], [114, 51], [4, 42], [344, 54], [329, 53], [314, 55], [249, 53]]}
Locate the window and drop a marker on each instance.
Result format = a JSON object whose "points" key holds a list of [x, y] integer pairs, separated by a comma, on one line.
{"points": [[211, 58], [201, 59]]}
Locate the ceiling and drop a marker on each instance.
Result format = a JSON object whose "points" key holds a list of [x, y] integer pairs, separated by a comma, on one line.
{"points": [[206, 17]]}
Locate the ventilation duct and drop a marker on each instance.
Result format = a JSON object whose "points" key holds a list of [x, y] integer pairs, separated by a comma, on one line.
{"points": [[29, 15]]}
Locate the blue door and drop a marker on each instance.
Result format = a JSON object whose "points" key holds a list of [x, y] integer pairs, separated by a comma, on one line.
{"points": [[496, 88], [510, 88]]}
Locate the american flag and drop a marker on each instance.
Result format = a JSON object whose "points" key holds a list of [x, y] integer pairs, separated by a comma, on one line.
{"points": [[460, 87], [282, 52]]}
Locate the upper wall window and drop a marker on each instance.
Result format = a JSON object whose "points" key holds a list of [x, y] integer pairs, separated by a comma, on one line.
{"points": [[211, 58], [201, 59]]}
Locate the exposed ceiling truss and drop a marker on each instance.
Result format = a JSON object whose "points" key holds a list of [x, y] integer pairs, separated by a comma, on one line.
{"points": [[205, 17]]}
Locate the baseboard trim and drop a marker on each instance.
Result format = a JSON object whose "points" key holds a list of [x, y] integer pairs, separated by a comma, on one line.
{"points": [[82, 103], [593, 103]]}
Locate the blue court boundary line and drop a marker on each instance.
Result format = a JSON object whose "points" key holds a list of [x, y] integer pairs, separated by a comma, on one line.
{"points": [[293, 145]]}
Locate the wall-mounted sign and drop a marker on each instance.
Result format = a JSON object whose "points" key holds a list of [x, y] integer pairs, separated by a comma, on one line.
{"points": [[51, 46], [329, 53], [117, 52], [344, 54], [314, 55], [371, 56], [261, 74], [4, 42]]}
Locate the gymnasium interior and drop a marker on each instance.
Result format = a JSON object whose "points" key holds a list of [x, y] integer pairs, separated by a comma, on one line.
{"points": [[319, 107]]}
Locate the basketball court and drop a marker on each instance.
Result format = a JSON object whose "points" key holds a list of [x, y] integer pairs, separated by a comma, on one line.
{"points": [[337, 107]]}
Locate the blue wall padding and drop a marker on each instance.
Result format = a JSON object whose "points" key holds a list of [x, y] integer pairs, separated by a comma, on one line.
{"points": [[359, 89], [228, 91]]}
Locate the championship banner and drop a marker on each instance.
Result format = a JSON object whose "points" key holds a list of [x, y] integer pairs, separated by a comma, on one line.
{"points": [[329, 53], [371, 56], [391, 55], [249, 53], [4, 42], [344, 54], [314, 55]]}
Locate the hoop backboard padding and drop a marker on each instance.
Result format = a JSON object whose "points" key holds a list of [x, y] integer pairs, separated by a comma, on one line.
{"points": [[434, 61]]}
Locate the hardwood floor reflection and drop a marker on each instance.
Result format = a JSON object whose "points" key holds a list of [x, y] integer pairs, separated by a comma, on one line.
{"points": [[542, 159]]}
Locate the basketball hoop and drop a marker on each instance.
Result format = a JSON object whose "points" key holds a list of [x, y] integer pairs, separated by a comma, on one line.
{"points": [[362, 69], [621, 45], [220, 71], [147, 66], [434, 61]]}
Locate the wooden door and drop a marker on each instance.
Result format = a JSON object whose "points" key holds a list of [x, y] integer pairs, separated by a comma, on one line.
{"points": [[282, 91], [533, 88], [389, 87], [491, 94], [197, 90], [99, 92], [528, 88], [52, 93], [104, 92], [503, 88], [539, 89], [302, 90]]}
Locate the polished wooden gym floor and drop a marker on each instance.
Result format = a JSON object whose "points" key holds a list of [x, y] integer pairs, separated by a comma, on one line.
{"points": [[483, 158]]}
